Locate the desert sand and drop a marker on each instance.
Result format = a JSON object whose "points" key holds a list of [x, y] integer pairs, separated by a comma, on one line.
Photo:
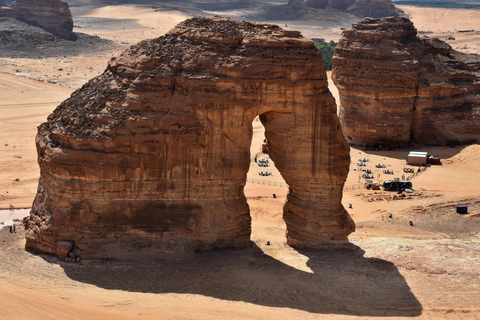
{"points": [[24, 104], [446, 23], [429, 271]]}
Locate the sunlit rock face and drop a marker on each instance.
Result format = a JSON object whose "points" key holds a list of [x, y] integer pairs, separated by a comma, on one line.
{"points": [[397, 88], [150, 158]]}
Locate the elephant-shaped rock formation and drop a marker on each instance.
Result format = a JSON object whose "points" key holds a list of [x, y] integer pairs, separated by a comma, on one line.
{"points": [[150, 158]]}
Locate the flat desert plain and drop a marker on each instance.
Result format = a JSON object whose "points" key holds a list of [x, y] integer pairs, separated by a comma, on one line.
{"points": [[430, 270]]}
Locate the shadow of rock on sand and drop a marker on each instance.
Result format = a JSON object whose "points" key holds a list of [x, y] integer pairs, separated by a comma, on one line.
{"points": [[342, 282]]}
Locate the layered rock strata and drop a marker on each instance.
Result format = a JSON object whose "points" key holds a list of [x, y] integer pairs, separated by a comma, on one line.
{"points": [[360, 8], [396, 88], [151, 157], [52, 15]]}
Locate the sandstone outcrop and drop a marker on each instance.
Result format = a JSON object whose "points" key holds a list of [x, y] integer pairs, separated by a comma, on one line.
{"points": [[52, 15], [373, 8], [396, 88], [151, 157], [360, 8]]}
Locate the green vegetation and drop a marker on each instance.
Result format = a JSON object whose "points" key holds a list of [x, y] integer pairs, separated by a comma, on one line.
{"points": [[437, 4], [327, 49]]}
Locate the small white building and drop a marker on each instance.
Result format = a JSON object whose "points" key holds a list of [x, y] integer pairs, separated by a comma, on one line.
{"points": [[417, 158]]}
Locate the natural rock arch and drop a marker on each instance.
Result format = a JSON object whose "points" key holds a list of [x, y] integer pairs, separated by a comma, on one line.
{"points": [[151, 157]]}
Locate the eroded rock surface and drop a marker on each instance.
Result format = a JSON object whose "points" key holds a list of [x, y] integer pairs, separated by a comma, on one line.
{"points": [[151, 157], [360, 8], [52, 15], [396, 88], [373, 8]]}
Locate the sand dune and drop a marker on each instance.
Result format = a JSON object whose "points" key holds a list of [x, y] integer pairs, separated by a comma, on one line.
{"points": [[25, 104], [446, 23]]}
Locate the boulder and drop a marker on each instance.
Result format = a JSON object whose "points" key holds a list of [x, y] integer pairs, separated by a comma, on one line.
{"points": [[150, 158], [396, 88], [63, 249]]}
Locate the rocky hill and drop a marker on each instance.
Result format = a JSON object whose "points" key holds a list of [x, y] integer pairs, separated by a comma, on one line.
{"points": [[52, 15], [22, 40], [396, 88], [150, 158], [359, 8]]}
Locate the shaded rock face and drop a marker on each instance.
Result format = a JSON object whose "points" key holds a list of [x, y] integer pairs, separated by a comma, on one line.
{"points": [[373, 8], [360, 8], [150, 158], [52, 15], [397, 88]]}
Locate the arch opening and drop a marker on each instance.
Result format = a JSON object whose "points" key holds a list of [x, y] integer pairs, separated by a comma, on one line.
{"points": [[265, 191]]}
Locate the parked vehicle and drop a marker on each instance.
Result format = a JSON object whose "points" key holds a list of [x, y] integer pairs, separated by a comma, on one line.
{"points": [[390, 185]]}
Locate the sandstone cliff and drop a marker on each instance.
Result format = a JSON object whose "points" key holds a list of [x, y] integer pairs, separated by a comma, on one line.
{"points": [[397, 88], [151, 157], [360, 8], [52, 15]]}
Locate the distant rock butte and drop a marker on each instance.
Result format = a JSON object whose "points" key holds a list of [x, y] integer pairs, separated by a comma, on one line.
{"points": [[52, 15], [150, 158], [360, 8], [396, 88]]}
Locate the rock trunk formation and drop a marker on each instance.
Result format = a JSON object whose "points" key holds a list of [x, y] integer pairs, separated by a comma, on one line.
{"points": [[360, 8], [150, 158], [396, 88], [52, 15]]}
